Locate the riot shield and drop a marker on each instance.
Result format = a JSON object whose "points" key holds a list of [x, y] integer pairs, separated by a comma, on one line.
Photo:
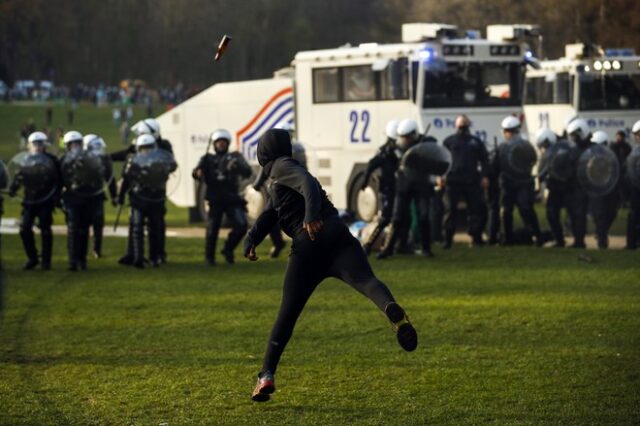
{"points": [[149, 172], [632, 167], [557, 162], [424, 160], [4, 176], [598, 170], [517, 158], [85, 173], [37, 174]]}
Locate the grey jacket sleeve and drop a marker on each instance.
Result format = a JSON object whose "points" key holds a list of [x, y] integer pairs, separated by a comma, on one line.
{"points": [[290, 173]]}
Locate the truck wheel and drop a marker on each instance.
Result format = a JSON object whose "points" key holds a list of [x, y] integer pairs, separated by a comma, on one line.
{"points": [[364, 204]]}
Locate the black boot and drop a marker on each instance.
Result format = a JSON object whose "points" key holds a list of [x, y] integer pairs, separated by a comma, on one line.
{"points": [[29, 244]]}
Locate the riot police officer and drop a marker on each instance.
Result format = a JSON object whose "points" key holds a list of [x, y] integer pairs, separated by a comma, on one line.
{"points": [[96, 145], [516, 181], [40, 199], [578, 200], [551, 174], [221, 172], [78, 205], [632, 175], [466, 180], [408, 191], [148, 126], [604, 208], [144, 178], [386, 159]]}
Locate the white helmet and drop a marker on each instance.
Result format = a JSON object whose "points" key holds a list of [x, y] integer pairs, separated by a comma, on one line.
{"points": [[545, 135], [284, 125], [510, 123], [392, 129], [406, 127], [38, 137], [145, 140], [94, 143], [636, 127], [72, 136], [221, 134], [580, 126], [568, 120], [148, 126], [600, 137]]}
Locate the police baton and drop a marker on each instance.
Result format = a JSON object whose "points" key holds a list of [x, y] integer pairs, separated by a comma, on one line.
{"points": [[115, 225], [426, 131]]}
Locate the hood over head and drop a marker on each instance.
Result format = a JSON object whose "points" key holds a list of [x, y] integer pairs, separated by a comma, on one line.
{"points": [[274, 143]]}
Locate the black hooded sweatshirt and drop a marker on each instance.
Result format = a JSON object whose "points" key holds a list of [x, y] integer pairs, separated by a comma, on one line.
{"points": [[295, 197]]}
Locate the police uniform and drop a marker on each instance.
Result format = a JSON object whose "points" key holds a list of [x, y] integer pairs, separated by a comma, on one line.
{"points": [[516, 191], [221, 172], [147, 207], [38, 204], [406, 193], [123, 156], [386, 159], [469, 164], [558, 192], [79, 211], [577, 198]]}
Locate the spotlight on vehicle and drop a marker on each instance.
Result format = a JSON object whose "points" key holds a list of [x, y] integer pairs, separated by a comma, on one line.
{"points": [[597, 65]]}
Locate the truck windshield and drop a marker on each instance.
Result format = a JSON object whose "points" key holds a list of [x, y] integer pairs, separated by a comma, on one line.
{"points": [[472, 84], [609, 91]]}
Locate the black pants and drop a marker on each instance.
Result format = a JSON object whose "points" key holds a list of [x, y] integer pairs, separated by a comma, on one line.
{"points": [[633, 220], [276, 236], [604, 211], [334, 253], [163, 233], [493, 213], [149, 215], [79, 217], [421, 195], [578, 204], [556, 201], [44, 214], [386, 212], [236, 215], [472, 195], [437, 216], [521, 195], [97, 224]]}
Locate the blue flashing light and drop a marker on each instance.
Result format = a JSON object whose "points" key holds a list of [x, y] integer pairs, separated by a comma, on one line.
{"points": [[426, 54], [528, 54]]}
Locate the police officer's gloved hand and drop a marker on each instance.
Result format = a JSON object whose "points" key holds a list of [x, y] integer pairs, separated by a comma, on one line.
{"points": [[114, 202]]}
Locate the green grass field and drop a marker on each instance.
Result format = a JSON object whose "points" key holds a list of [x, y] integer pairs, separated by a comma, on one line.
{"points": [[517, 336]]}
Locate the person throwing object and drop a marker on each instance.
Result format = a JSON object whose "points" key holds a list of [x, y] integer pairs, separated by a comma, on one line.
{"points": [[322, 247]]}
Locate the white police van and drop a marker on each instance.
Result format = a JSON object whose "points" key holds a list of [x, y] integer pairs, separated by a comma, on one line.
{"points": [[341, 99], [601, 86]]}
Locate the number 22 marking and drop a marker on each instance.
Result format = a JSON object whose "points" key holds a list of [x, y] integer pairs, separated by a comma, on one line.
{"points": [[364, 117]]}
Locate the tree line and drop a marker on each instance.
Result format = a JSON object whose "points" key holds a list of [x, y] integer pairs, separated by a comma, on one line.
{"points": [[164, 42]]}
